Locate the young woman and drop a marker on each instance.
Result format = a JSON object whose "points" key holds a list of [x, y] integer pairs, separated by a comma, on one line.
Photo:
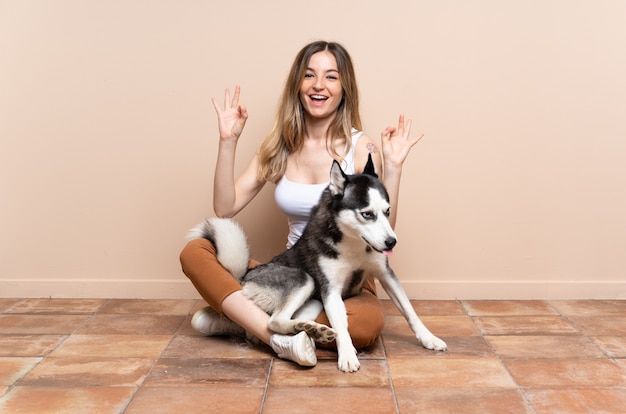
{"points": [[318, 121]]}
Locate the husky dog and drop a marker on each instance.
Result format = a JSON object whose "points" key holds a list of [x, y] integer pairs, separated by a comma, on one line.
{"points": [[347, 240]]}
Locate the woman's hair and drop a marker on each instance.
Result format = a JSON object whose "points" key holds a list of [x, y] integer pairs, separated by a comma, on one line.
{"points": [[287, 134]]}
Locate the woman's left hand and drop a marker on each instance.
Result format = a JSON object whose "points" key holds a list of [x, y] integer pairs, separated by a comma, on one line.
{"points": [[396, 143]]}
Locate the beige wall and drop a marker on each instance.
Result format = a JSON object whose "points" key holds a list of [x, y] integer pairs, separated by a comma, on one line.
{"points": [[108, 137]]}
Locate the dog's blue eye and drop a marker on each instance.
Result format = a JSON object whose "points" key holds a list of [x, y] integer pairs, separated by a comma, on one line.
{"points": [[368, 215]]}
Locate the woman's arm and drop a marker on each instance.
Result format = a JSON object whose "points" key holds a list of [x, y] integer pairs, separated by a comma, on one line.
{"points": [[396, 144], [230, 195]]}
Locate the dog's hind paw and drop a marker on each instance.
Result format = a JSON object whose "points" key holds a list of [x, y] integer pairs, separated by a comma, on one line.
{"points": [[434, 343], [319, 332]]}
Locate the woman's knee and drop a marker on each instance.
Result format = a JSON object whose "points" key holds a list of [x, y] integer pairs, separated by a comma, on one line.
{"points": [[366, 319], [195, 252], [366, 324]]}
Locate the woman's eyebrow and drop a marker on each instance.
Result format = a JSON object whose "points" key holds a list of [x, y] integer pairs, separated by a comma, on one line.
{"points": [[327, 70]]}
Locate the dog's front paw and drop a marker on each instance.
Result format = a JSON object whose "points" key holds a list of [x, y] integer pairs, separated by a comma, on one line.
{"points": [[434, 343], [348, 363]]}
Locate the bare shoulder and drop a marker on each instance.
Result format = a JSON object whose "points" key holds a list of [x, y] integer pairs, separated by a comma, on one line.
{"points": [[364, 147]]}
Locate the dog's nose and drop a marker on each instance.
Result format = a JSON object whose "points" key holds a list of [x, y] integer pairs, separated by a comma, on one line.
{"points": [[390, 242]]}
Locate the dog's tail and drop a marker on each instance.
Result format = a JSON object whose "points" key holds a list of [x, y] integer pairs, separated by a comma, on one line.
{"points": [[230, 243]]}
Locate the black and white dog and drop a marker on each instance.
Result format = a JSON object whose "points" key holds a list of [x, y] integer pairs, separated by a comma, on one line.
{"points": [[347, 240]]}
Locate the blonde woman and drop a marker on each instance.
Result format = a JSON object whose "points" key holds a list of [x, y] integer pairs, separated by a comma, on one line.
{"points": [[318, 121]]}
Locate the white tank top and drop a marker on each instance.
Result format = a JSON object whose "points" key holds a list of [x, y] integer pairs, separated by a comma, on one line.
{"points": [[296, 200]]}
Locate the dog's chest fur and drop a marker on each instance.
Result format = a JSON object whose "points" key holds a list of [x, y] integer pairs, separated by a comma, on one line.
{"points": [[347, 271]]}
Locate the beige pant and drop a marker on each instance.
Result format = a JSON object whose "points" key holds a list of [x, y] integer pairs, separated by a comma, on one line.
{"points": [[214, 283]]}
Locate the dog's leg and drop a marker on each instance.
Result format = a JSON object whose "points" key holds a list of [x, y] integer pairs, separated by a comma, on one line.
{"points": [[310, 310], [392, 286], [338, 317], [281, 320], [308, 313]]}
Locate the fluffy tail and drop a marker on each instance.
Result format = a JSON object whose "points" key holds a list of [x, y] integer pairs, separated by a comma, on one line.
{"points": [[230, 243]]}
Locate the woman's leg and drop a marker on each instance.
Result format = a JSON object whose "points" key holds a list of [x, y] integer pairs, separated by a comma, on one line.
{"points": [[223, 293], [211, 280], [366, 317]]}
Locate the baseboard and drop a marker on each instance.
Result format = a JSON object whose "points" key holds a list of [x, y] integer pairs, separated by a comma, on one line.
{"points": [[422, 289], [512, 290], [99, 288]]}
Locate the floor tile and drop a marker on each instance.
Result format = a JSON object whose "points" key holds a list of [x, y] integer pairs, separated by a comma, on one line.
{"points": [[132, 324], [438, 325], [428, 308], [66, 400], [296, 400], [507, 307], [59, 306], [611, 325], [112, 346], [149, 306], [449, 372], [6, 303], [40, 324], [137, 356], [537, 373], [461, 400], [614, 346], [590, 307], [89, 371], [13, 369], [374, 351], [237, 372], [555, 347], [404, 346], [29, 345], [373, 373], [524, 325], [185, 327], [197, 347], [573, 401], [197, 400]]}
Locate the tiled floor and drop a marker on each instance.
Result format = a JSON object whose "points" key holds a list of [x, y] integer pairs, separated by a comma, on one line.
{"points": [[141, 356]]}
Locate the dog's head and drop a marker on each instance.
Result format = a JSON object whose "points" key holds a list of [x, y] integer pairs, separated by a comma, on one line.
{"points": [[361, 203]]}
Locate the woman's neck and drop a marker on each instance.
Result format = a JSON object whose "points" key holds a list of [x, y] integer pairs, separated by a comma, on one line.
{"points": [[317, 129]]}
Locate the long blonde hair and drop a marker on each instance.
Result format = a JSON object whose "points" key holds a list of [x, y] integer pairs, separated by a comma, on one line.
{"points": [[287, 134]]}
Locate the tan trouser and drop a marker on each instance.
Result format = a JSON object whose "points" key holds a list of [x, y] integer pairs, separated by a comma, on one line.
{"points": [[214, 283]]}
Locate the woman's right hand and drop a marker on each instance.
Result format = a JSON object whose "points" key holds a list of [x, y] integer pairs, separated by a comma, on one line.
{"points": [[232, 118]]}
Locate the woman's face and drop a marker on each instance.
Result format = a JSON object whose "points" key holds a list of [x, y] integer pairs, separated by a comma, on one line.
{"points": [[321, 91]]}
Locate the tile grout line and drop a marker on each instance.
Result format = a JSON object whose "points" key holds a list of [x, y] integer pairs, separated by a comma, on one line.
{"points": [[500, 360], [155, 362], [393, 390], [267, 385], [582, 333], [65, 336]]}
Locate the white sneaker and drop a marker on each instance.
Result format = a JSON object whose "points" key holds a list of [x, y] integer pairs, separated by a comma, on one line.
{"points": [[210, 323], [298, 348]]}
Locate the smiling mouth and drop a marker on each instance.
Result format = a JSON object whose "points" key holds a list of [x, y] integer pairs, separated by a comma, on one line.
{"points": [[318, 98]]}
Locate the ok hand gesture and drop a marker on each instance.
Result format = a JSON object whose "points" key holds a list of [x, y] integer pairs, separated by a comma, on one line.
{"points": [[396, 143], [232, 118]]}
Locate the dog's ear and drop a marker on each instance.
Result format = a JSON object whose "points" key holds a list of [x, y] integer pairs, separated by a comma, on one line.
{"points": [[337, 179], [369, 167]]}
